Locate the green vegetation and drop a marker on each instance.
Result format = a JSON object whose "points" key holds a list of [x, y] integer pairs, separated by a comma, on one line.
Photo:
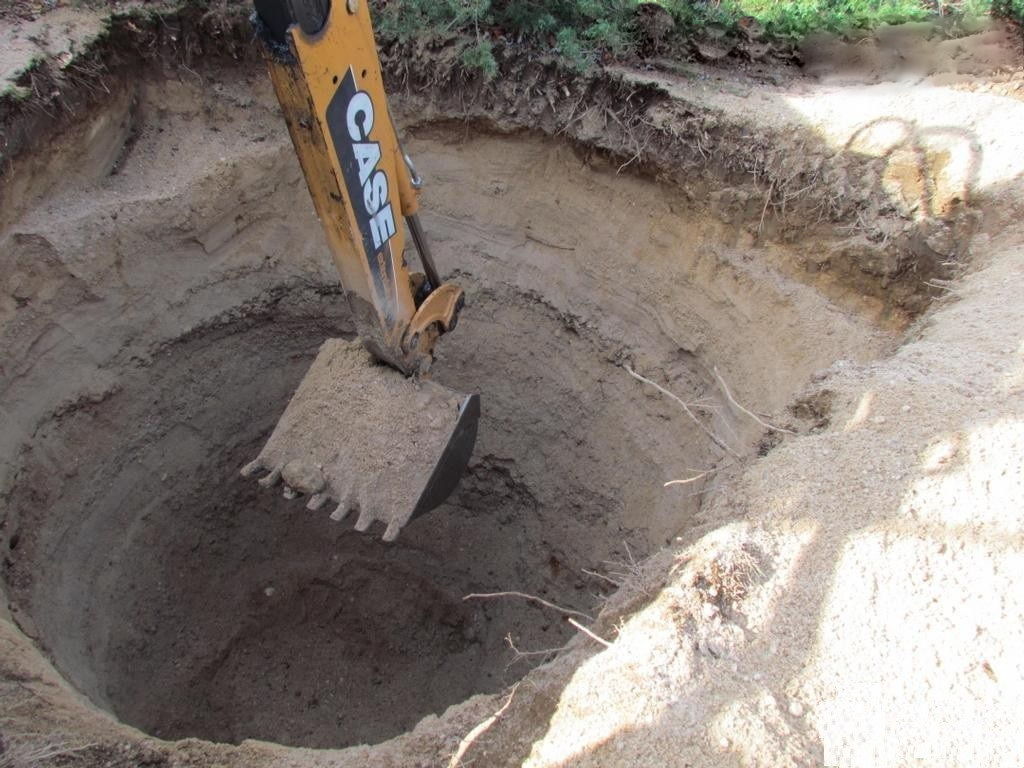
{"points": [[584, 31], [576, 29], [796, 18], [1009, 9]]}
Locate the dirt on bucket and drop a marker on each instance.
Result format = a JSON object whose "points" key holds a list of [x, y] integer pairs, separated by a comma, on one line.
{"points": [[368, 438]]}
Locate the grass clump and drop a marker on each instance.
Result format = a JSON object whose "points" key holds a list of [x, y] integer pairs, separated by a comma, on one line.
{"points": [[794, 19], [1009, 9], [578, 30], [479, 55]]}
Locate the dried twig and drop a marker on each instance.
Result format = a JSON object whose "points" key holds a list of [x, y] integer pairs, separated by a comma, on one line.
{"points": [[767, 200], [632, 560], [686, 407], [942, 285], [526, 654], [533, 598], [639, 154], [700, 474], [548, 243], [601, 576], [693, 479], [751, 414], [481, 728], [590, 634], [630, 574]]}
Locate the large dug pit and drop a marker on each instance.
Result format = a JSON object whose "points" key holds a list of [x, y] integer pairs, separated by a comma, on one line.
{"points": [[169, 298], [192, 602], [204, 605]]}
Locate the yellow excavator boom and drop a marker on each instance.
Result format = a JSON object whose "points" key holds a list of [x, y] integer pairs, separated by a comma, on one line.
{"points": [[331, 90]]}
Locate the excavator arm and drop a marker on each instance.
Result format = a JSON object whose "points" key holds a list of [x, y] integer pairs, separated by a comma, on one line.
{"points": [[366, 429], [325, 70]]}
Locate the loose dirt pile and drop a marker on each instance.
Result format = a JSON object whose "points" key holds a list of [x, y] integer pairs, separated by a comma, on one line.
{"points": [[161, 303]]}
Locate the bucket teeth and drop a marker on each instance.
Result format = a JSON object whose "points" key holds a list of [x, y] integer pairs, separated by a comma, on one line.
{"points": [[365, 438], [251, 468], [365, 519], [340, 512], [348, 500], [286, 476], [392, 531], [272, 479]]}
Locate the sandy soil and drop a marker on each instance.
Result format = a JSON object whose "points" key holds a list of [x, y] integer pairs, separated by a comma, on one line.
{"points": [[823, 595]]}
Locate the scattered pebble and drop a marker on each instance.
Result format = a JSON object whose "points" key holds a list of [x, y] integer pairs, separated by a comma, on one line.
{"points": [[269, 591], [796, 709]]}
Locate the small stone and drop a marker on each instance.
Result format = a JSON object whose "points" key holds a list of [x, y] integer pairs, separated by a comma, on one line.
{"points": [[796, 709], [709, 611], [724, 743], [942, 242], [303, 476], [905, 409], [879, 420], [269, 591]]}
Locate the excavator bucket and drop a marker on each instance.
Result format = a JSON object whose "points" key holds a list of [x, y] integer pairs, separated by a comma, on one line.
{"points": [[357, 433], [363, 437]]}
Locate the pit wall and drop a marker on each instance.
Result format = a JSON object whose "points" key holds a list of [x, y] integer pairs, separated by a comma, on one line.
{"points": [[887, 205], [875, 211], [677, 217], [192, 230]]}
